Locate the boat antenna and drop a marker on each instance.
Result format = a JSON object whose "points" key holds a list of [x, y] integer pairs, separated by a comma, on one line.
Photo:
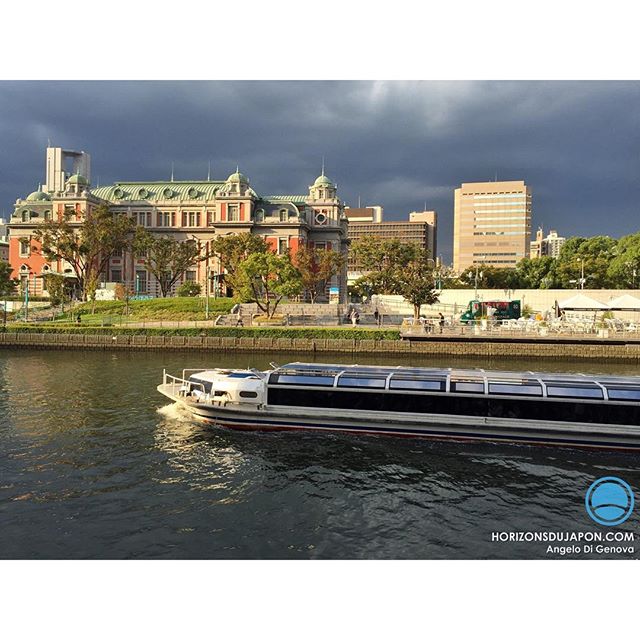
{"points": [[274, 365]]}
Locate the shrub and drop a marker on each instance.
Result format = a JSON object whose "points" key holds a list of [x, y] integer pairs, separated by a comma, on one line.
{"points": [[219, 332], [189, 290]]}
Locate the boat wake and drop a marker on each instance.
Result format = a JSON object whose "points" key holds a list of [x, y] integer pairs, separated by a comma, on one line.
{"points": [[175, 411]]}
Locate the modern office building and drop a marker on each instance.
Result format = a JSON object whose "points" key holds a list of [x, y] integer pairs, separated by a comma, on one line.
{"points": [[420, 229], [491, 224], [197, 210], [546, 246]]}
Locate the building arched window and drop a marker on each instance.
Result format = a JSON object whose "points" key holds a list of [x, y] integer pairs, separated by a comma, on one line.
{"points": [[259, 215], [284, 215]]}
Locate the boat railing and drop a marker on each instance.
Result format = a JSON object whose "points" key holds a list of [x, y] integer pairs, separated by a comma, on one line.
{"points": [[180, 386]]}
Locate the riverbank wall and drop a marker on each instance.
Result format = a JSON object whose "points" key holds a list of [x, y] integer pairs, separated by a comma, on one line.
{"points": [[556, 349]]}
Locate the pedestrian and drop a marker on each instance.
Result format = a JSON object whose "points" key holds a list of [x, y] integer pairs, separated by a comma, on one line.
{"points": [[376, 316], [441, 322], [353, 317]]}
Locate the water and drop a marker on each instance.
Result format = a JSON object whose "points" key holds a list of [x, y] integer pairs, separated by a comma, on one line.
{"points": [[96, 464]]}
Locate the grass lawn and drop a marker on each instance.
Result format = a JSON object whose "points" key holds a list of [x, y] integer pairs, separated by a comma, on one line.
{"points": [[113, 311]]}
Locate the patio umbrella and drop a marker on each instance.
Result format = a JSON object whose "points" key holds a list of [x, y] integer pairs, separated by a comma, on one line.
{"points": [[581, 302], [625, 303]]}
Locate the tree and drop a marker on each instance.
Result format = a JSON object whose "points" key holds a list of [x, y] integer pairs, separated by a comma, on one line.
{"points": [[591, 256], [316, 267], [536, 273], [489, 277], [232, 251], [7, 283], [86, 246], [268, 278], [58, 288], [381, 257], [624, 270], [415, 281], [165, 258]]}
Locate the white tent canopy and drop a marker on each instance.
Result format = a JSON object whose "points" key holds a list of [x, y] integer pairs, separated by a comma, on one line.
{"points": [[581, 302], [624, 303]]}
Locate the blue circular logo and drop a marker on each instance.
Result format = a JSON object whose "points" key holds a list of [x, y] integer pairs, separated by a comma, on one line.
{"points": [[609, 501]]}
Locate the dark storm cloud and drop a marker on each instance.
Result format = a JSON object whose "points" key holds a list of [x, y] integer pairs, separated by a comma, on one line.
{"points": [[396, 144]]}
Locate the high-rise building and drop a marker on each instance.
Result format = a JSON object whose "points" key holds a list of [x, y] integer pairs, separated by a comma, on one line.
{"points": [[185, 210], [491, 224], [549, 246]]}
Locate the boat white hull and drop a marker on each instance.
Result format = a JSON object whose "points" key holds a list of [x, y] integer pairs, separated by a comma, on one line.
{"points": [[424, 425]]}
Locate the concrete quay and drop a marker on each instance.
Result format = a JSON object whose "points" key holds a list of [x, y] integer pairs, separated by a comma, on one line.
{"points": [[566, 349]]}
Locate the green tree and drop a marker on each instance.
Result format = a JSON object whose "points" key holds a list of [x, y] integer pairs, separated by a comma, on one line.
{"points": [[232, 251], [317, 267], [415, 282], [624, 270], [267, 278], [489, 277], [381, 258], [591, 256], [58, 288], [165, 258], [536, 273], [7, 283], [88, 245]]}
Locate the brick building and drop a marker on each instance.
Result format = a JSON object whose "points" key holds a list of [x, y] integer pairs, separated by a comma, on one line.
{"points": [[197, 210]]}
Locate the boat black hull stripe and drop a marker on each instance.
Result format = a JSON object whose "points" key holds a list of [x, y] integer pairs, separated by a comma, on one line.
{"points": [[255, 420], [482, 406]]}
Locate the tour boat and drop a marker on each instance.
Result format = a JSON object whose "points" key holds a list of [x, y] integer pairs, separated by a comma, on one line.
{"points": [[458, 404]]}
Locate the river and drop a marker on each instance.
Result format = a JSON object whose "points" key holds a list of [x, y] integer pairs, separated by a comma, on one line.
{"points": [[96, 464]]}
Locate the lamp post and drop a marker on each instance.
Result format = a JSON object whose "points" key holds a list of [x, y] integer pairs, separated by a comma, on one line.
{"points": [[137, 284], [581, 272], [207, 285], [26, 299]]}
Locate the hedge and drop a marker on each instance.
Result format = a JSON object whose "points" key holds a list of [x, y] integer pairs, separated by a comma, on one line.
{"points": [[317, 333]]}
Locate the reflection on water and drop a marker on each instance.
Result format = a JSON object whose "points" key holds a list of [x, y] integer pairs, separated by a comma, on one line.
{"points": [[96, 464]]}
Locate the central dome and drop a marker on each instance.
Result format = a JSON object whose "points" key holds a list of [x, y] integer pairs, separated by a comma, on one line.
{"points": [[322, 180], [76, 178], [237, 177]]}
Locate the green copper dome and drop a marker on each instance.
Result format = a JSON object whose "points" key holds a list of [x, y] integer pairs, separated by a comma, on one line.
{"points": [[237, 177], [76, 178], [38, 195], [322, 180]]}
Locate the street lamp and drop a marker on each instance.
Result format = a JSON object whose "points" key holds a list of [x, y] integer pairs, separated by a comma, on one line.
{"points": [[207, 285], [581, 272]]}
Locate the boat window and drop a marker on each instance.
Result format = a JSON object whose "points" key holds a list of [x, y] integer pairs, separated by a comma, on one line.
{"points": [[242, 374], [467, 386], [196, 382], [248, 394], [527, 389], [425, 384], [624, 393], [573, 391], [307, 379], [358, 381]]}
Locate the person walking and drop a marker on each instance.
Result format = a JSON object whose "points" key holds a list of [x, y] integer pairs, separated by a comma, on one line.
{"points": [[376, 316], [441, 322]]}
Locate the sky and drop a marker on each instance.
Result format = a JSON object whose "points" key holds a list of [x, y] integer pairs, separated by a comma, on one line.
{"points": [[391, 143]]}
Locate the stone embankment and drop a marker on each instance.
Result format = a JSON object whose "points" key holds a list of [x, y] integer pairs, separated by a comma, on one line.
{"points": [[566, 349]]}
